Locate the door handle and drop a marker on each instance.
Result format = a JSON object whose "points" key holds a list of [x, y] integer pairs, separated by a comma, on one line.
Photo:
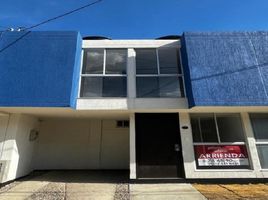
{"points": [[177, 147]]}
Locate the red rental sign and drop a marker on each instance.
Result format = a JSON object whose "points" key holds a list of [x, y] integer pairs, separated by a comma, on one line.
{"points": [[221, 155]]}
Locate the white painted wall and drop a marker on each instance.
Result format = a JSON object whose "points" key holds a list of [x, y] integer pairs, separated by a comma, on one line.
{"points": [[81, 144], [189, 159], [17, 150], [114, 146], [132, 146]]}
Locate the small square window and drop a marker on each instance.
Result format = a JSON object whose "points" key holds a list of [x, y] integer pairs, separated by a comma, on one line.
{"points": [[122, 124], [119, 124], [126, 123]]}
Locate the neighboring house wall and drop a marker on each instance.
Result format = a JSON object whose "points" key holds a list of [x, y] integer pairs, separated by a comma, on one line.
{"points": [[39, 69], [226, 68]]}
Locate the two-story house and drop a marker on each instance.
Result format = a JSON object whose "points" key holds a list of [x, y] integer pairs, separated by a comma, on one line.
{"points": [[194, 106]]}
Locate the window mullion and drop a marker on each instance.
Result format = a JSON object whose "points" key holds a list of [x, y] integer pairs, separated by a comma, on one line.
{"points": [[200, 130], [157, 59], [104, 62], [217, 128]]}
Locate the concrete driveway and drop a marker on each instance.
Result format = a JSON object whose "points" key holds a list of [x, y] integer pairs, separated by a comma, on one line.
{"points": [[93, 185]]}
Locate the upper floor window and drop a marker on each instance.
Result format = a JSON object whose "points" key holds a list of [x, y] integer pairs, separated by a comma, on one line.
{"points": [[158, 73], [104, 73]]}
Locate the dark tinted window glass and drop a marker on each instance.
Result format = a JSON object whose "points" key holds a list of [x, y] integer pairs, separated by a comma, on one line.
{"points": [[260, 126], [93, 61], [169, 61], [208, 129], [196, 130], [230, 128], [146, 61], [169, 87], [126, 123], [103, 87], [114, 87], [116, 61], [263, 152], [147, 87], [91, 87]]}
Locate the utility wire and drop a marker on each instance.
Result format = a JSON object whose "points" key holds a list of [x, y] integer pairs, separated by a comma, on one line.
{"points": [[46, 21], [15, 41], [62, 15]]}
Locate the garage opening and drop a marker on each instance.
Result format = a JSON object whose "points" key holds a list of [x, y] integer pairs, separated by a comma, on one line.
{"points": [[82, 144]]}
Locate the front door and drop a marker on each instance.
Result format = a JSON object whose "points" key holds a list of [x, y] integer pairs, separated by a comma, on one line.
{"points": [[158, 145]]}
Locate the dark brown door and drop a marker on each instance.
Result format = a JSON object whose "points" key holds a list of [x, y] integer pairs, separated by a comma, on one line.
{"points": [[158, 146]]}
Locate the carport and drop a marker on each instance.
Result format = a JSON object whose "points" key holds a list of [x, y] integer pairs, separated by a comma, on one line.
{"points": [[62, 139]]}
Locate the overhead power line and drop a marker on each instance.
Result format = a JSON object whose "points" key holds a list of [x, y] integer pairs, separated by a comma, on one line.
{"points": [[62, 15], [15, 41], [44, 22]]}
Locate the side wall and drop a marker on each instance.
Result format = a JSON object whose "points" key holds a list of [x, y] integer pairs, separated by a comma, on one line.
{"points": [[17, 150]]}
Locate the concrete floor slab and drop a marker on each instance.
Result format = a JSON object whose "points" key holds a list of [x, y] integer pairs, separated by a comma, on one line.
{"points": [[102, 191], [95, 185], [23, 190], [172, 191]]}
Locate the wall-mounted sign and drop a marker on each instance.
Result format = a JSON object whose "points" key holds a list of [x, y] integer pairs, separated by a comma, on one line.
{"points": [[221, 156]]}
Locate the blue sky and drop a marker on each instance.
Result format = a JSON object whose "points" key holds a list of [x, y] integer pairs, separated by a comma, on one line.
{"points": [[128, 19]]}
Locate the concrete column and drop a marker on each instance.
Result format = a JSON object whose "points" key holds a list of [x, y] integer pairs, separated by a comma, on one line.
{"points": [[250, 140], [131, 74], [187, 145], [132, 146]]}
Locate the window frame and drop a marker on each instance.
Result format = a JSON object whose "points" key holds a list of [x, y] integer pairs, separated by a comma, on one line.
{"points": [[158, 75], [219, 143], [258, 142], [217, 130], [82, 75]]}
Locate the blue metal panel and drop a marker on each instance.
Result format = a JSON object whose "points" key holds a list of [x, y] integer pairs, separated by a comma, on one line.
{"points": [[226, 68], [39, 69]]}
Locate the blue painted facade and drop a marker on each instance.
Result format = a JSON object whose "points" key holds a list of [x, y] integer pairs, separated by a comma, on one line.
{"points": [[39, 69], [226, 68]]}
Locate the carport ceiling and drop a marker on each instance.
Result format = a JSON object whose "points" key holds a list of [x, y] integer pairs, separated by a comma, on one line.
{"points": [[65, 112]]}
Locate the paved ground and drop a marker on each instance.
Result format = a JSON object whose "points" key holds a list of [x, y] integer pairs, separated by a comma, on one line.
{"points": [[93, 185]]}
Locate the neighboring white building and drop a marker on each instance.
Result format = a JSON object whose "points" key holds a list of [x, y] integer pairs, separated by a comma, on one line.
{"points": [[147, 106]]}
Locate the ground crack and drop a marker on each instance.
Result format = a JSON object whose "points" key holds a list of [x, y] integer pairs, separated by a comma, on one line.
{"points": [[231, 191]]}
